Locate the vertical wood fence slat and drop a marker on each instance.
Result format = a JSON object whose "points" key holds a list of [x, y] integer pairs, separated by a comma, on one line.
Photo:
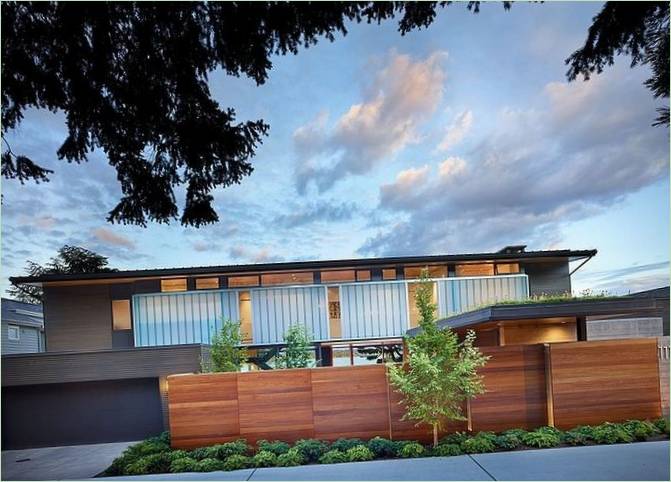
{"points": [[527, 385]]}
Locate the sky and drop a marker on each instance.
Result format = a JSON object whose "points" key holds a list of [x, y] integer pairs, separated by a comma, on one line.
{"points": [[463, 137]]}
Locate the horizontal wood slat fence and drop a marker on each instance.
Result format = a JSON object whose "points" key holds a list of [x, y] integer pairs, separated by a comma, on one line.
{"points": [[564, 384]]}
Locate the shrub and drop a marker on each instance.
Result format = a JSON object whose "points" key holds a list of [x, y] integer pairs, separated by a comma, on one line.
{"points": [[209, 465], [447, 450], [541, 438], [360, 453], [640, 429], [477, 445], [225, 450], [611, 433], [277, 447], [150, 464], [185, 464], [576, 437], [508, 441], [150, 446], [517, 432], [382, 447], [454, 438], [344, 444], [178, 454], [311, 449], [662, 425], [333, 457], [237, 462], [410, 450], [200, 453], [290, 459], [264, 458]]}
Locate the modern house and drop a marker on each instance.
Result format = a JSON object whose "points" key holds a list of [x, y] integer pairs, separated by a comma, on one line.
{"points": [[112, 338], [22, 327]]}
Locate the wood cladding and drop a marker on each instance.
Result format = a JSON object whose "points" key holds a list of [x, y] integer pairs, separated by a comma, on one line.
{"points": [[287, 278], [474, 270], [389, 274], [414, 272], [587, 382], [173, 284], [242, 281], [337, 276], [612, 380], [121, 315], [207, 283]]}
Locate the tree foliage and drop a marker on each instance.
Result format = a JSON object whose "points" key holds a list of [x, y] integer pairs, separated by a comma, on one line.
{"points": [[298, 351], [441, 373], [132, 80], [637, 29], [68, 260], [226, 352]]}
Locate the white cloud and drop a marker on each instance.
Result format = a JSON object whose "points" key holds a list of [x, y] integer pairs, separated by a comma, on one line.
{"points": [[460, 127], [561, 160], [109, 237], [402, 96]]}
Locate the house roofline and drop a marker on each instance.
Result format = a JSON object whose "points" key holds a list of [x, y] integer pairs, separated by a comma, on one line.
{"points": [[569, 255]]}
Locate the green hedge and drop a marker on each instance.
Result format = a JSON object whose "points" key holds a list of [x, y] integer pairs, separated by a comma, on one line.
{"points": [[154, 455]]}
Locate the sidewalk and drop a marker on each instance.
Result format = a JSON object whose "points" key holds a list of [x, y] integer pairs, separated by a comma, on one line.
{"points": [[638, 461]]}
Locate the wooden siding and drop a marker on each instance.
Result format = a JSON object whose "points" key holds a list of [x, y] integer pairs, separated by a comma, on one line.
{"points": [[613, 380], [527, 386], [514, 379]]}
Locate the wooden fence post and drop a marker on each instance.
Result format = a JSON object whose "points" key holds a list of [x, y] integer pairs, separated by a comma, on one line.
{"points": [[549, 402]]}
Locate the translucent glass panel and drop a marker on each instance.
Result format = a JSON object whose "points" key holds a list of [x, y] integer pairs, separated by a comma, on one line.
{"points": [[275, 309], [373, 310], [459, 295], [181, 318]]}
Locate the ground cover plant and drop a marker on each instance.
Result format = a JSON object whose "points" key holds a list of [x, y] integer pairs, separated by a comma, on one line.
{"points": [[154, 455]]}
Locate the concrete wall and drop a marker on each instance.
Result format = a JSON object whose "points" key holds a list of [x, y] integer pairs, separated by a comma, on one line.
{"points": [[605, 329], [30, 340], [551, 278]]}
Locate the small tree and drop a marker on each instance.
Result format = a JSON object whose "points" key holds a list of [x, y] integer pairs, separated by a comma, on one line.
{"points": [[297, 353], [440, 373], [226, 352]]}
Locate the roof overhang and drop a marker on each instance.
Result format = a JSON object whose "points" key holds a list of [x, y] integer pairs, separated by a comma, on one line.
{"points": [[130, 275], [571, 308]]}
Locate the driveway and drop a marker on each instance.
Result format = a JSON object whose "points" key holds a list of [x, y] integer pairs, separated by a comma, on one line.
{"points": [[60, 463], [638, 461]]}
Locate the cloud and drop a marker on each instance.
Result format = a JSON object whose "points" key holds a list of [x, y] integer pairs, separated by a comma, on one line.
{"points": [[629, 279], [402, 95], [109, 237], [317, 212], [460, 126], [571, 155], [244, 254]]}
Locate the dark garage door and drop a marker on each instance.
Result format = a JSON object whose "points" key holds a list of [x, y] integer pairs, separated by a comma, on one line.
{"points": [[80, 413]]}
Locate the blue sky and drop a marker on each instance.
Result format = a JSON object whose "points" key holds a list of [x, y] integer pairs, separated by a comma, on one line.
{"points": [[459, 138]]}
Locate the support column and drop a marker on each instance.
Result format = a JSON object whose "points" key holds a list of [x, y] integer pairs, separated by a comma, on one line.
{"points": [[581, 328]]}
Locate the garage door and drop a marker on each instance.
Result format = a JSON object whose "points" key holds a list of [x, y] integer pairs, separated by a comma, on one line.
{"points": [[80, 413]]}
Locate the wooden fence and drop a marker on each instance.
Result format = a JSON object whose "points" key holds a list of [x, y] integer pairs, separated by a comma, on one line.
{"points": [[563, 384]]}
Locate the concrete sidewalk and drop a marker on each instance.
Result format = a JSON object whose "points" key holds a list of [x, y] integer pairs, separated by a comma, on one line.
{"points": [[60, 463], [638, 461]]}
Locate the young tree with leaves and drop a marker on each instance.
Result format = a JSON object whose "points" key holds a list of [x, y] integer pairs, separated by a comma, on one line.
{"points": [[298, 352], [226, 352], [440, 373], [69, 260]]}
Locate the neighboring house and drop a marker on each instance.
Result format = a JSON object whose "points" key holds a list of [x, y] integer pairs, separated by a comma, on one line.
{"points": [[22, 327], [112, 338]]}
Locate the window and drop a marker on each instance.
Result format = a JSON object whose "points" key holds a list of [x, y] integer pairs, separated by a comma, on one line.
{"points": [[507, 268], [245, 307], [335, 327], [176, 284], [286, 279], [335, 276], [207, 283], [363, 275], [120, 315], [237, 281], [414, 272], [13, 332], [389, 274], [475, 269]]}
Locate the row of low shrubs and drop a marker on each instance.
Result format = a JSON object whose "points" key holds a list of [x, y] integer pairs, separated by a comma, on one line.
{"points": [[155, 455]]}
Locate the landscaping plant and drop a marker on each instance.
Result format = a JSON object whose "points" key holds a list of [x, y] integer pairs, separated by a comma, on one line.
{"points": [[226, 352], [360, 453], [382, 447], [298, 351], [237, 462], [333, 457], [477, 445], [290, 459], [640, 429], [185, 464], [446, 450], [611, 433], [541, 438], [440, 373], [225, 450], [344, 444], [311, 449], [209, 465], [264, 459], [277, 447], [411, 450]]}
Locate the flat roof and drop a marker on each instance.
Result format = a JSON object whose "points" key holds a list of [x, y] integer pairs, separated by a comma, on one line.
{"points": [[564, 254], [574, 307]]}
